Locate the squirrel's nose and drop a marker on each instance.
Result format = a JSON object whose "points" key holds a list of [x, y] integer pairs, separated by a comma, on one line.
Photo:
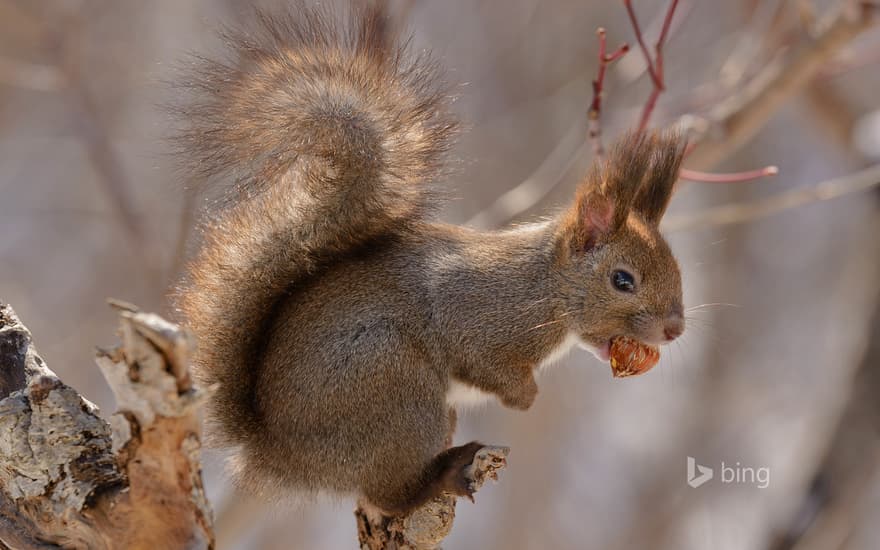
{"points": [[673, 326]]}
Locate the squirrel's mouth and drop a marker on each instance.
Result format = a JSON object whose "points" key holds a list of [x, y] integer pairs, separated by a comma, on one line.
{"points": [[603, 352], [630, 357]]}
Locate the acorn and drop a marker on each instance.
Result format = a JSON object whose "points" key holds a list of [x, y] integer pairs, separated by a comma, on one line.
{"points": [[630, 357]]}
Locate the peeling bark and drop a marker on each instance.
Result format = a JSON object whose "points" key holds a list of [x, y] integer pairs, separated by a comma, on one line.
{"points": [[71, 479]]}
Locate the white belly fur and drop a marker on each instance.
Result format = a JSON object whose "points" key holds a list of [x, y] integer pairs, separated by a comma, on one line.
{"points": [[461, 394]]}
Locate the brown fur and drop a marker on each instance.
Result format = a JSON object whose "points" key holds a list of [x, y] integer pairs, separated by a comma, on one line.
{"points": [[331, 311]]}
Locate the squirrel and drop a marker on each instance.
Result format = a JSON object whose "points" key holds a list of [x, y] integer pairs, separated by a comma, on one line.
{"points": [[339, 321]]}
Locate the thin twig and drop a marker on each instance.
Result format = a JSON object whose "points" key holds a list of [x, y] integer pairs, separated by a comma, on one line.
{"points": [[655, 68], [664, 32], [661, 41], [641, 40], [655, 63], [736, 213], [636, 67], [595, 112], [729, 124], [735, 177]]}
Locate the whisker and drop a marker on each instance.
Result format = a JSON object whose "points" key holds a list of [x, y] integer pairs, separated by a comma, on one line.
{"points": [[553, 321], [538, 301], [696, 321], [713, 304], [544, 324]]}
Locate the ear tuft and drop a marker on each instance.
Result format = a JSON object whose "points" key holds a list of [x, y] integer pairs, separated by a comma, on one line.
{"points": [[605, 197], [667, 152], [638, 175], [622, 174]]}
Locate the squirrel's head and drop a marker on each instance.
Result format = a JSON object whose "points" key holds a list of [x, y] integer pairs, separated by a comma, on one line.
{"points": [[620, 276]]}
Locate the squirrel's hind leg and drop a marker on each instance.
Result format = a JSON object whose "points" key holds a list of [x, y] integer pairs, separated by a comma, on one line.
{"points": [[445, 473]]}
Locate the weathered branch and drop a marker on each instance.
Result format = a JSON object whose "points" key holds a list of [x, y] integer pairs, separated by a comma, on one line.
{"points": [[427, 526], [71, 479]]}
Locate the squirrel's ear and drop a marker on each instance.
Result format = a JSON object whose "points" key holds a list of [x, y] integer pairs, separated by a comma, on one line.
{"points": [[605, 198], [667, 151], [586, 222]]}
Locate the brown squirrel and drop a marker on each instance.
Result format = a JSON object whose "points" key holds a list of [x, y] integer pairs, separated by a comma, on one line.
{"points": [[338, 320]]}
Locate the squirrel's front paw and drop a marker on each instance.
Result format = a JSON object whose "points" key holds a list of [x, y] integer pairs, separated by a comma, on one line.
{"points": [[522, 396]]}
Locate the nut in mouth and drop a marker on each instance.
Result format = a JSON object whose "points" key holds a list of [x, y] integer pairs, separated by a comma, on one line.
{"points": [[629, 357]]}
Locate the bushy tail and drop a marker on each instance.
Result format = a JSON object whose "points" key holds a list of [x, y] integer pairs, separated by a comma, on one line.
{"points": [[329, 134]]}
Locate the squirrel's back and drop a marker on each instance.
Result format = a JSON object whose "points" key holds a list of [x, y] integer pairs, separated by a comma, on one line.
{"points": [[329, 135]]}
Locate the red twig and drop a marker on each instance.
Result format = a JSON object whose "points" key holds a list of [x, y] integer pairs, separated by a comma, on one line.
{"points": [[655, 70], [667, 24], [641, 40], [595, 126], [655, 62], [736, 177], [648, 109]]}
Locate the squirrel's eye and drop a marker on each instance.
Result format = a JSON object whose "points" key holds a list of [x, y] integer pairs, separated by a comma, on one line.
{"points": [[623, 281]]}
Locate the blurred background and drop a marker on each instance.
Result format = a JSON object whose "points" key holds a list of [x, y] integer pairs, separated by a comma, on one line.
{"points": [[779, 368]]}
